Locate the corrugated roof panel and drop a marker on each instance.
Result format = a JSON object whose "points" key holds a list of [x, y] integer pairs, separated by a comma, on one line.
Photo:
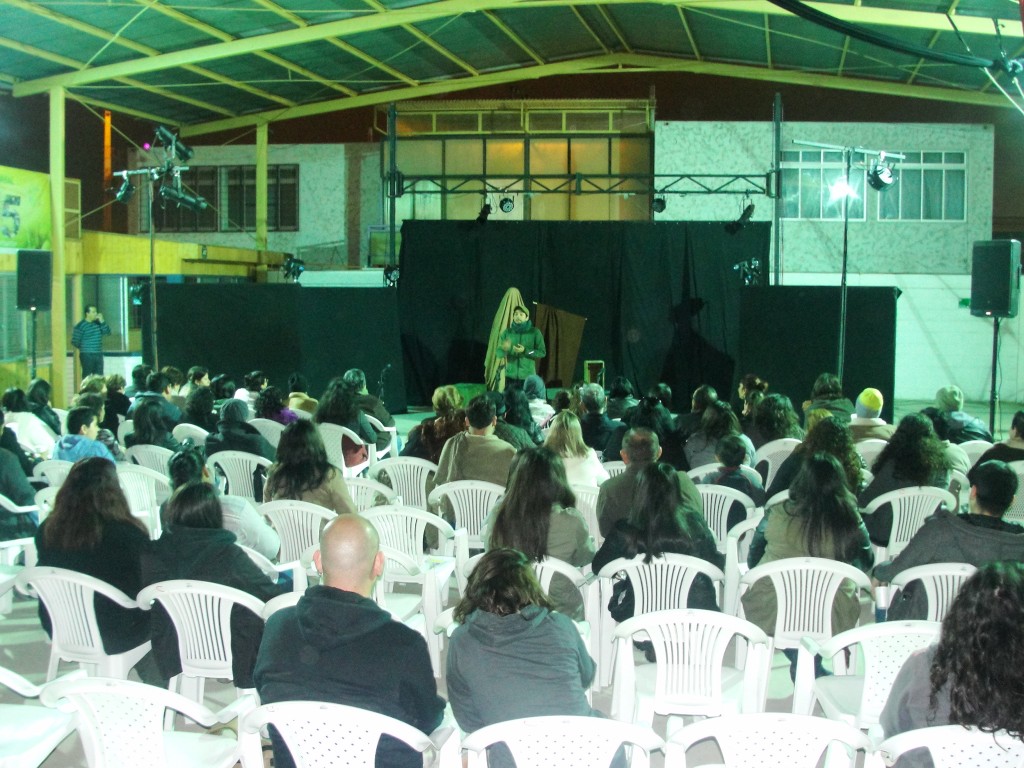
{"points": [[480, 41], [406, 53], [657, 28], [145, 101], [794, 46], [737, 38], [555, 33]]}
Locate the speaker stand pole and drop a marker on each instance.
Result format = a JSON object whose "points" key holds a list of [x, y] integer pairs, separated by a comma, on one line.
{"points": [[995, 365], [34, 311]]}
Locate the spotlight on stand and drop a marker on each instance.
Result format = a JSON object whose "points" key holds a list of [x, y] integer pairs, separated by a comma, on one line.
{"points": [[506, 204], [391, 275], [735, 226], [293, 268], [658, 205], [125, 193], [880, 175], [166, 137], [183, 198], [485, 211]]}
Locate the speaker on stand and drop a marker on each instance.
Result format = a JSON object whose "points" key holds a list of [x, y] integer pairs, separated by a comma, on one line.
{"points": [[35, 276], [995, 293]]}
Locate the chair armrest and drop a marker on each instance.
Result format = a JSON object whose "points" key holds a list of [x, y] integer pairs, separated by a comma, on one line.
{"points": [[238, 708], [803, 686]]}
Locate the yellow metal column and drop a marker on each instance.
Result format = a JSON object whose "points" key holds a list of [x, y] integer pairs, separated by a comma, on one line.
{"points": [[261, 186], [58, 300]]}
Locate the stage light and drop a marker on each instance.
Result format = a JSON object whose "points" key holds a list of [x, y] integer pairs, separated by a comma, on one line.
{"points": [[125, 193], [658, 205], [880, 175], [166, 137], [735, 226], [183, 198], [506, 204], [293, 268], [485, 211]]}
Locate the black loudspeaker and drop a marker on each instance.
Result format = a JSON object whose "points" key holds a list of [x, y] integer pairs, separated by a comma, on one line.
{"points": [[34, 278], [995, 278]]}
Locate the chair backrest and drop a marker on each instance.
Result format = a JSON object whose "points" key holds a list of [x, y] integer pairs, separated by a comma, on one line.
{"points": [[718, 501], [804, 590], [586, 503], [773, 454], [201, 614], [334, 441], [766, 738], [407, 476], [664, 583], [238, 467], [270, 429], [614, 467], [471, 501], [124, 429], [45, 499], [910, 508], [320, 734], [942, 582], [55, 471], [392, 446], [1015, 514], [149, 456], [144, 488], [298, 523], [402, 529], [566, 742], [869, 450], [367, 493], [954, 746], [549, 566], [182, 432], [737, 546], [697, 473], [960, 487], [974, 449]]}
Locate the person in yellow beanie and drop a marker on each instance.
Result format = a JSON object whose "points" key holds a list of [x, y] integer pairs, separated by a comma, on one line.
{"points": [[867, 423]]}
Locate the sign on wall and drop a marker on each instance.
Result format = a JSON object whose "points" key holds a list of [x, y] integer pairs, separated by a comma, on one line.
{"points": [[25, 222]]}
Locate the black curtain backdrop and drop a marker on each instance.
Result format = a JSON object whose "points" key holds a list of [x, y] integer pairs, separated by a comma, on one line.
{"points": [[320, 332], [662, 299]]}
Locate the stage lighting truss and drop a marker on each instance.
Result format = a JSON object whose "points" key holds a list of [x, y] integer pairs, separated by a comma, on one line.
{"points": [[293, 268]]}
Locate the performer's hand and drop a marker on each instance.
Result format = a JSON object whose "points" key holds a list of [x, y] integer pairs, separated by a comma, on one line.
{"points": [[519, 349], [99, 318]]}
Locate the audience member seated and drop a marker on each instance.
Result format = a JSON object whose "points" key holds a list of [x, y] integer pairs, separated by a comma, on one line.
{"points": [[582, 466], [973, 676], [659, 523], [38, 396], [650, 414], [33, 435], [827, 393], [820, 519], [270, 405], [536, 395], [339, 405], [195, 545], [80, 440], [9, 442], [198, 376], [427, 439], [95, 383], [140, 373], [560, 402], [98, 405], [303, 473], [240, 516], [751, 390], [199, 409], [234, 433], [615, 500], [476, 454], [831, 435], [339, 646], [733, 473], [223, 387], [621, 397], [1010, 449], [298, 397], [774, 418], [913, 457], [158, 390], [255, 382], [150, 428], [514, 435], [537, 516], [517, 414], [597, 427], [117, 403], [355, 380], [867, 423], [978, 537], [717, 422], [15, 486], [952, 422], [513, 656], [688, 423], [176, 379], [92, 531]]}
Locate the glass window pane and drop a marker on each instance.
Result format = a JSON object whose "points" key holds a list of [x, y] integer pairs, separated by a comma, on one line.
{"points": [[911, 157], [955, 157], [932, 196], [588, 156], [910, 194], [932, 157], [810, 194], [504, 156], [463, 157], [956, 184], [790, 156], [420, 157], [790, 193], [832, 157], [889, 203]]}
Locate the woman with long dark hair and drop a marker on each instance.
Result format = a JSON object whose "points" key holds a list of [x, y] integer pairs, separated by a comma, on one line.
{"points": [[973, 677], [914, 456], [774, 418], [827, 393], [38, 396], [537, 516], [428, 437], [150, 427], [658, 523], [517, 413], [270, 405], [33, 435], [717, 422], [198, 409], [828, 435], [338, 406], [302, 471]]}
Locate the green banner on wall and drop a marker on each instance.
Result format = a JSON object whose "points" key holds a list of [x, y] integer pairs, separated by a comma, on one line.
{"points": [[24, 210]]}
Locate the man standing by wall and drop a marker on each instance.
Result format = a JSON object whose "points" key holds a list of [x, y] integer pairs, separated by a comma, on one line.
{"points": [[88, 337]]}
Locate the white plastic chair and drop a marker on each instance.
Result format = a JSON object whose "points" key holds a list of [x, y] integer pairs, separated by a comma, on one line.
{"points": [[771, 738], [697, 473], [718, 501], [367, 493], [149, 456], [28, 734], [566, 742], [956, 746], [737, 545], [54, 471], [974, 449], [275, 604], [238, 467], [773, 454], [805, 588], [407, 476], [614, 467], [69, 598], [690, 676], [7, 505], [124, 429], [145, 489], [586, 503], [273, 572], [183, 432], [856, 692], [45, 499], [322, 735], [298, 523], [10, 551], [392, 446], [869, 450], [910, 508], [201, 614], [334, 437], [471, 501], [270, 429], [960, 487], [941, 583], [1015, 514], [120, 724]]}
